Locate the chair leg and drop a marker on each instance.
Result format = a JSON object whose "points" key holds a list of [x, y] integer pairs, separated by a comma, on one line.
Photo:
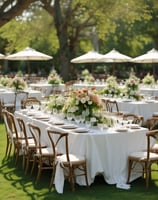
{"points": [[53, 176], [129, 170], [39, 170], [72, 181], [86, 179], [7, 147], [33, 165], [27, 158], [10, 148]]}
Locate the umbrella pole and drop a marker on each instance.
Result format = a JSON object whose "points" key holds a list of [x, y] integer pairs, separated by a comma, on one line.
{"points": [[28, 68], [154, 71]]}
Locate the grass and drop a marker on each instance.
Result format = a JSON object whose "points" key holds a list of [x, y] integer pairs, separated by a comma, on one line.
{"points": [[14, 184]]}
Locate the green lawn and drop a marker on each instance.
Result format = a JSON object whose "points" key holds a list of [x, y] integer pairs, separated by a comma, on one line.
{"points": [[14, 184]]}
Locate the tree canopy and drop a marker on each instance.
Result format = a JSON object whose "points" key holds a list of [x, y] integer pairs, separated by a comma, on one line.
{"points": [[70, 28]]}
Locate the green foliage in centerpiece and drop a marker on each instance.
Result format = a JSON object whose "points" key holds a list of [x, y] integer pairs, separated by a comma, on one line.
{"points": [[5, 80], [18, 83], [54, 78], [87, 76], [87, 104], [55, 102], [111, 87], [132, 87], [148, 79]]}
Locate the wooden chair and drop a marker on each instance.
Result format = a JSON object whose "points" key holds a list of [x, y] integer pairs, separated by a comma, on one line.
{"points": [[152, 124], [9, 135], [29, 147], [9, 105], [144, 158], [136, 119], [111, 106], [13, 135], [31, 102], [69, 162], [43, 155]]}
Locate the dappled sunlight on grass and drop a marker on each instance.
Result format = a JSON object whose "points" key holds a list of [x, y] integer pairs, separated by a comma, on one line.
{"points": [[15, 184]]}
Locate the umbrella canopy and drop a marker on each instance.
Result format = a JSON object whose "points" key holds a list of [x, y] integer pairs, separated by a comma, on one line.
{"points": [[2, 56], [28, 54], [116, 57], [150, 57], [90, 57]]}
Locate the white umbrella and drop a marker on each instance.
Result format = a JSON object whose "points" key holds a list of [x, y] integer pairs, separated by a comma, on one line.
{"points": [[90, 57], [115, 56], [2, 56], [150, 57], [28, 54]]}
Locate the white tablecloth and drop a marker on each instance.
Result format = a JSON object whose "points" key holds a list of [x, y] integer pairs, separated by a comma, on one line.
{"points": [[146, 109], [8, 96], [46, 88], [88, 85], [149, 91], [106, 151]]}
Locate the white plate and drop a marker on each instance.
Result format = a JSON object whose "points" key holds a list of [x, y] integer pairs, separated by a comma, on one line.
{"points": [[122, 129], [134, 126], [58, 123], [42, 117], [69, 126], [81, 130]]}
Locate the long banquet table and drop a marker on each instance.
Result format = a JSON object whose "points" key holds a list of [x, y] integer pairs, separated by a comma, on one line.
{"points": [[106, 150]]}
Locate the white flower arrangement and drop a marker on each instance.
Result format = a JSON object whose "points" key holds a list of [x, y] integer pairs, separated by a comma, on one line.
{"points": [[5, 80], [87, 76], [54, 78], [18, 83], [148, 79], [84, 103], [55, 102]]}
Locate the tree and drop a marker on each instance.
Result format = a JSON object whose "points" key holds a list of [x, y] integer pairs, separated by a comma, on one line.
{"points": [[75, 20]]}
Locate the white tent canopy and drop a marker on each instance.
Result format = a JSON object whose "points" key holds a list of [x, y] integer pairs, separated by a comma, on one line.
{"points": [[150, 57], [90, 57], [115, 56], [28, 54], [2, 56]]}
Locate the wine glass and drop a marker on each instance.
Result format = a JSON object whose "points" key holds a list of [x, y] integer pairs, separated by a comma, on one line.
{"points": [[36, 107], [77, 119], [88, 124], [69, 116]]}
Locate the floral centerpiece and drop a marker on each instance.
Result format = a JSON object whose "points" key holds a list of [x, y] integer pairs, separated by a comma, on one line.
{"points": [[54, 78], [87, 104], [56, 102], [87, 76], [132, 87], [18, 83], [148, 79], [111, 87], [5, 80]]}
